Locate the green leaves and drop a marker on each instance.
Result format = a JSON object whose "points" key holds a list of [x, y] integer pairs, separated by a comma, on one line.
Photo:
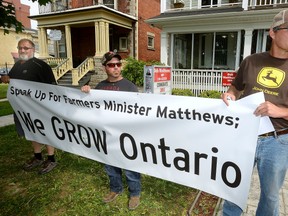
{"points": [[133, 70], [8, 16]]}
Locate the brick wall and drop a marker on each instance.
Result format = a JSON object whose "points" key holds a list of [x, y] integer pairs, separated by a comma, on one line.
{"points": [[146, 11]]}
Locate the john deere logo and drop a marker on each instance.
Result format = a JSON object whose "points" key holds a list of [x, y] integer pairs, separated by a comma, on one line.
{"points": [[271, 77]]}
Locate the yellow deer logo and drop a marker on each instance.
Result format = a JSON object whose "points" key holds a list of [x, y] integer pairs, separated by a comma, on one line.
{"points": [[271, 77]]}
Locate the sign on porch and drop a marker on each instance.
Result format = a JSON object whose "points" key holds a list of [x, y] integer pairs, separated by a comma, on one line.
{"points": [[55, 35], [157, 79], [227, 78]]}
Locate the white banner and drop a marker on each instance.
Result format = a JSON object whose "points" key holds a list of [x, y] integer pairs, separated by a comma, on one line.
{"points": [[197, 142]]}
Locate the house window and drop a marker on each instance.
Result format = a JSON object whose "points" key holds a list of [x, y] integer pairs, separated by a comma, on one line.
{"points": [[109, 3], [123, 43], [209, 51], [182, 51], [150, 41], [61, 47]]}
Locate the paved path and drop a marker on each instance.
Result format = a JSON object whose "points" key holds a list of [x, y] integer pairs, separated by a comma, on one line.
{"points": [[6, 120], [255, 193], [254, 190]]}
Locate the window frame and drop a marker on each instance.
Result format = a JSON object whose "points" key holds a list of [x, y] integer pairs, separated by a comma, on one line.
{"points": [[150, 36]]}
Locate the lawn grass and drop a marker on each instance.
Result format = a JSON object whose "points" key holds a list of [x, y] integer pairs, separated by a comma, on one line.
{"points": [[5, 108], [76, 187], [3, 90]]}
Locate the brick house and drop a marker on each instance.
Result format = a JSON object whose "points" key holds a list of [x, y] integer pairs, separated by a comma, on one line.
{"points": [[89, 28]]}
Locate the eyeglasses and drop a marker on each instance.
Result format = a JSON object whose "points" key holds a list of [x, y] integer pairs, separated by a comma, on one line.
{"points": [[25, 48], [112, 65], [283, 28], [280, 28]]}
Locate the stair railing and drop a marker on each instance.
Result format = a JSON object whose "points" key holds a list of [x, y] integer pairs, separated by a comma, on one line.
{"points": [[77, 73], [59, 66]]}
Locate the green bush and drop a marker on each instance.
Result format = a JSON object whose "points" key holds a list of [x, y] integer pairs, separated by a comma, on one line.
{"points": [[53, 64], [133, 70], [183, 92], [210, 94]]}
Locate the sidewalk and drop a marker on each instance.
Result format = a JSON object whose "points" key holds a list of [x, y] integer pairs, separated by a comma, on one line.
{"points": [[254, 190], [255, 193], [6, 120]]}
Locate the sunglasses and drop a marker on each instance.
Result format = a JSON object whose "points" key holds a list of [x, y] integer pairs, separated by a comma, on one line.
{"points": [[25, 48], [112, 65]]}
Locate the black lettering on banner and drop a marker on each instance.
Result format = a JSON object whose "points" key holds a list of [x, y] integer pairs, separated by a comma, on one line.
{"points": [[185, 160], [144, 147], [86, 135], [197, 158], [214, 164], [60, 132], [99, 140], [237, 170], [163, 149], [70, 129], [32, 125], [40, 95], [133, 143], [181, 162]]}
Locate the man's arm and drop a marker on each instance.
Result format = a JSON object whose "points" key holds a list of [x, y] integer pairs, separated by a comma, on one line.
{"points": [[5, 79]]}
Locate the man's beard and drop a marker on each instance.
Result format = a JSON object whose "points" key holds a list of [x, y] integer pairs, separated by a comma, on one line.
{"points": [[24, 57]]}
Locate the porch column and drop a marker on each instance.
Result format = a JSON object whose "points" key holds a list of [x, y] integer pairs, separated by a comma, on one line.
{"points": [[101, 38], [43, 43], [68, 42], [247, 42], [97, 41], [164, 49]]}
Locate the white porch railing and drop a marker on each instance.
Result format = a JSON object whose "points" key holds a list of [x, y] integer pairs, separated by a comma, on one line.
{"points": [[201, 4], [198, 80], [256, 3]]}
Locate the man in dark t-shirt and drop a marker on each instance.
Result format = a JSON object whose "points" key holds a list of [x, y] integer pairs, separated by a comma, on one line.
{"points": [[268, 73], [115, 82], [32, 69]]}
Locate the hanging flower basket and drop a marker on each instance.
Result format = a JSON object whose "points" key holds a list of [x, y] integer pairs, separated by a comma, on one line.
{"points": [[178, 5]]}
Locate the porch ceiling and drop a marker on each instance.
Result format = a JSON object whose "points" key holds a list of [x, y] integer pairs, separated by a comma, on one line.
{"points": [[84, 17], [210, 20]]}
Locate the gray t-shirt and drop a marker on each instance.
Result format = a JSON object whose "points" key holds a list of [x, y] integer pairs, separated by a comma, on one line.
{"points": [[121, 85]]}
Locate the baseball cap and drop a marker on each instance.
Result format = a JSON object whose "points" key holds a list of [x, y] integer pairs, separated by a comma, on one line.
{"points": [[280, 18], [108, 56]]}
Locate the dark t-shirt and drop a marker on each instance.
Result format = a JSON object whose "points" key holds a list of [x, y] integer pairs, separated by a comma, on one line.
{"points": [[33, 70], [121, 85], [262, 72]]}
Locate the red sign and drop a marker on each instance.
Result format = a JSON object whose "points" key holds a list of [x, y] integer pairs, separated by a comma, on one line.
{"points": [[162, 74], [227, 78]]}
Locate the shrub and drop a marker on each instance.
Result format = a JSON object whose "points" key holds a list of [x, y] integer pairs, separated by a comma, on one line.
{"points": [[133, 70], [183, 92], [210, 94], [53, 64]]}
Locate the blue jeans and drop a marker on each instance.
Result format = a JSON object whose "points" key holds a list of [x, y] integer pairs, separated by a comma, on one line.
{"points": [[272, 162], [115, 176]]}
